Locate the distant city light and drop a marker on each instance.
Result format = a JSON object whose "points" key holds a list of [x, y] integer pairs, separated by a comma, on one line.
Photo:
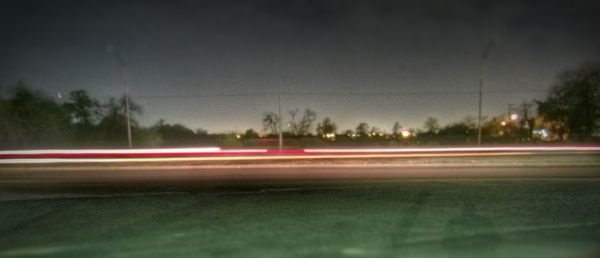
{"points": [[405, 133], [542, 132], [503, 123], [514, 117]]}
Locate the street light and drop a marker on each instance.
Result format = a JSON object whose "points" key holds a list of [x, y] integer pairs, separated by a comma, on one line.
{"points": [[514, 117], [122, 64], [484, 55]]}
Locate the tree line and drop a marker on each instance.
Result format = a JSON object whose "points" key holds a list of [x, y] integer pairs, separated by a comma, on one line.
{"points": [[30, 119]]}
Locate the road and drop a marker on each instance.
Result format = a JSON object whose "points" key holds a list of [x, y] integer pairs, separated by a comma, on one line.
{"points": [[199, 178], [303, 211]]}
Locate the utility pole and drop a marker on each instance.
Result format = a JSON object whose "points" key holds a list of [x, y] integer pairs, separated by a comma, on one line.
{"points": [[280, 123], [527, 121], [123, 66], [484, 56]]}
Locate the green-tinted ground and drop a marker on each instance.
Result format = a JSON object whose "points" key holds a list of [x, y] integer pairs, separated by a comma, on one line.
{"points": [[418, 218]]}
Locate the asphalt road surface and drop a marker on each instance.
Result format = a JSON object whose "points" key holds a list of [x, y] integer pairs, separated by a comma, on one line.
{"points": [[302, 212]]}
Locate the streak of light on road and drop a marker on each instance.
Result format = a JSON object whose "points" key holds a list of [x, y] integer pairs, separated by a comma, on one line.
{"points": [[459, 149], [258, 158], [169, 152], [112, 151], [216, 153]]}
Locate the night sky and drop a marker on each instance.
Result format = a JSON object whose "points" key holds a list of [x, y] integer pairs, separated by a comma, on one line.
{"points": [[209, 64]]}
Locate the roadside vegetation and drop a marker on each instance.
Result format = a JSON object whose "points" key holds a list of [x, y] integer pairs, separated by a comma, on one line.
{"points": [[31, 119]]}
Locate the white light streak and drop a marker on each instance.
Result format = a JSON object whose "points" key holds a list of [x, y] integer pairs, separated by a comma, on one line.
{"points": [[113, 151], [458, 149], [265, 157]]}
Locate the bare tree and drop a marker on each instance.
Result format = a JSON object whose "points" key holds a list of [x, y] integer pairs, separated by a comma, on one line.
{"points": [[396, 129], [307, 120], [270, 122], [431, 125], [293, 124]]}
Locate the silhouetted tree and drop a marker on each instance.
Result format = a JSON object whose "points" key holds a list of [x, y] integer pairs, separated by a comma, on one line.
{"points": [[303, 126], [431, 125], [456, 129], [270, 123], [326, 127], [30, 119], [201, 131], [527, 121], [293, 124], [349, 133], [204, 137], [573, 104], [471, 121], [494, 127], [396, 130], [113, 125], [84, 113], [460, 132], [175, 134], [306, 122], [82, 109], [375, 131], [362, 130], [250, 134]]}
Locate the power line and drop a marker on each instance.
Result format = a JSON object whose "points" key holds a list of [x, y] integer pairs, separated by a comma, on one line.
{"points": [[336, 93]]}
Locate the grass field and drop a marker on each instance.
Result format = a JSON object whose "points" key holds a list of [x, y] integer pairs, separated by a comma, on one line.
{"points": [[402, 218]]}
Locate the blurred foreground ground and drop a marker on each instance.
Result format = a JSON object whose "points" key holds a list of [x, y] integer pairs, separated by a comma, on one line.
{"points": [[346, 211]]}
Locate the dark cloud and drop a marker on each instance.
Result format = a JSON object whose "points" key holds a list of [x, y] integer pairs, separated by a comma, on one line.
{"points": [[577, 19], [189, 47]]}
